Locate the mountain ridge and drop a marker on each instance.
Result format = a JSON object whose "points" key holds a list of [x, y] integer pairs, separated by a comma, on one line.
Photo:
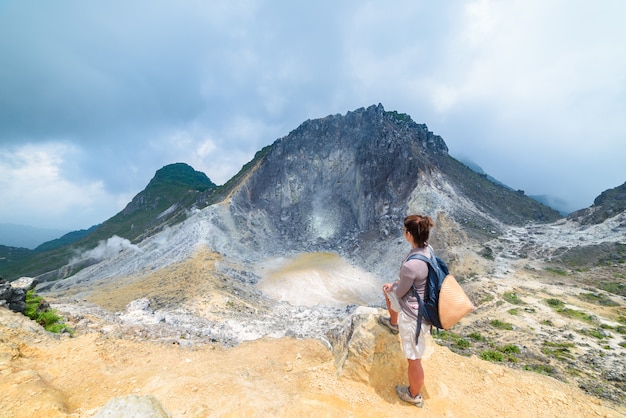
{"points": [[368, 161]]}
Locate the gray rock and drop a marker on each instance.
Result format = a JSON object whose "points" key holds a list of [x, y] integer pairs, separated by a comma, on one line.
{"points": [[26, 283], [133, 406]]}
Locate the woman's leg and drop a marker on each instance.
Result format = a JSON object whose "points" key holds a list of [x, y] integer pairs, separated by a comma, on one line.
{"points": [[416, 376]]}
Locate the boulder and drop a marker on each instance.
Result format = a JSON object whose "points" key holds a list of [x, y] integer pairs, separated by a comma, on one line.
{"points": [[367, 352], [26, 283], [133, 406], [11, 297]]}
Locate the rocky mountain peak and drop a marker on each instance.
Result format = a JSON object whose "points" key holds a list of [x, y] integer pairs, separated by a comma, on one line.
{"points": [[340, 181], [609, 203]]}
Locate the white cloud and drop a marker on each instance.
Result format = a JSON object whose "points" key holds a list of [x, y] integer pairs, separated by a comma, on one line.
{"points": [[35, 191]]}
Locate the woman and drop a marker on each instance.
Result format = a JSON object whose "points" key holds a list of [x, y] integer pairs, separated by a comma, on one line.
{"points": [[403, 306]]}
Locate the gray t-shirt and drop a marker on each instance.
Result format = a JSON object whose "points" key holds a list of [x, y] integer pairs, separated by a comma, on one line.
{"points": [[412, 273]]}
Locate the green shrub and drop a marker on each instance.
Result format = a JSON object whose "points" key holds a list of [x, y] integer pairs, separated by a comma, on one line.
{"points": [[46, 317], [492, 355], [504, 353], [555, 303], [509, 349], [514, 311]]}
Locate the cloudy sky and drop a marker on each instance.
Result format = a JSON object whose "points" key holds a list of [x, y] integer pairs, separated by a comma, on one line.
{"points": [[96, 96]]}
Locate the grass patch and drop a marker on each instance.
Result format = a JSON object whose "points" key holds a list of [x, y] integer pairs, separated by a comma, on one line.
{"points": [[541, 369], [595, 333], [456, 340], [39, 311], [559, 351], [597, 299], [557, 270], [513, 299], [617, 288], [514, 311], [496, 323], [492, 355], [559, 307], [462, 344], [476, 336]]}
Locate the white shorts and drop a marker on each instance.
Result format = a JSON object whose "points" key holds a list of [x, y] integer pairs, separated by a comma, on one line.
{"points": [[408, 327]]}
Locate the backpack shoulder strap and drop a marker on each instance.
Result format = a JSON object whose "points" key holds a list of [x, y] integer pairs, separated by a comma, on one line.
{"points": [[420, 257]]}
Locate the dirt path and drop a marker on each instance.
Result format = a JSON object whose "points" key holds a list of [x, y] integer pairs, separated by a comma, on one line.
{"points": [[41, 376]]}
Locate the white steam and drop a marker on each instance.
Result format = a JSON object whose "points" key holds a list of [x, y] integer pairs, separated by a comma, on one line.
{"points": [[107, 249], [324, 279]]}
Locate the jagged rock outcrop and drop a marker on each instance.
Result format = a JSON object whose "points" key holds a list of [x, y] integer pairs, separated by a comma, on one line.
{"points": [[345, 183], [610, 203]]}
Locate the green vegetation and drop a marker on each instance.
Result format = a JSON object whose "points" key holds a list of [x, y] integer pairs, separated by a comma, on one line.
{"points": [[557, 270], [559, 307], [595, 333], [597, 299], [456, 340], [462, 344], [555, 303], [514, 311], [492, 355], [500, 354], [617, 288], [477, 337], [165, 201], [541, 369], [559, 351], [496, 323], [513, 299], [44, 316], [399, 116], [487, 253]]}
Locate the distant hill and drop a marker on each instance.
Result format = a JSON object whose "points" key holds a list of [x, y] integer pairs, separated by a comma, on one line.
{"points": [[166, 200], [610, 203], [24, 236]]}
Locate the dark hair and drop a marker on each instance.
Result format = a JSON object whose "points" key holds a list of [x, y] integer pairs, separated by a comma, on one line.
{"points": [[419, 228]]}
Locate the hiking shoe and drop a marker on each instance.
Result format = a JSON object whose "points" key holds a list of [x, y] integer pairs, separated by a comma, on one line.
{"points": [[384, 321], [404, 394]]}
